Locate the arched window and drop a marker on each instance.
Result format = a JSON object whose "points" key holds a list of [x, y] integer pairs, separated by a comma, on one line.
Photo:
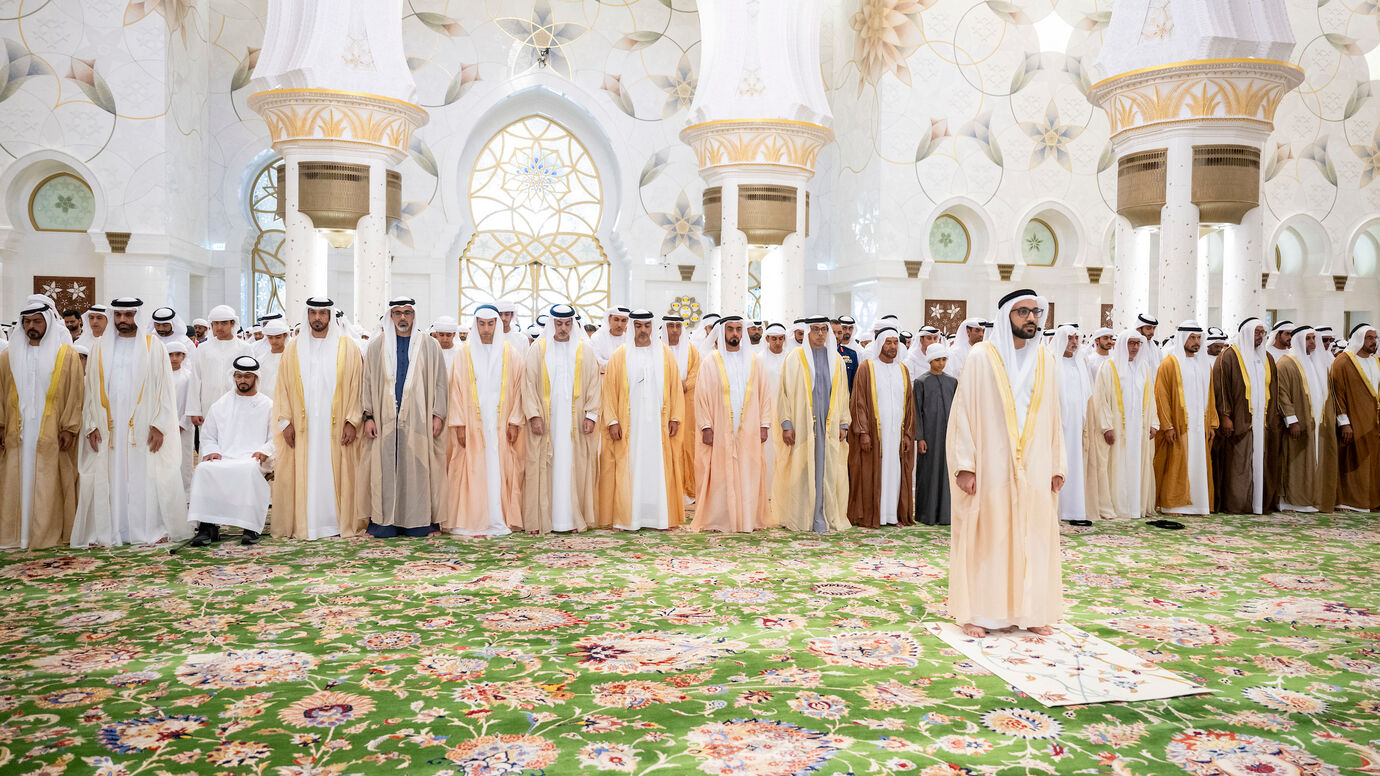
{"points": [[536, 200], [62, 203], [1039, 244], [266, 266], [950, 242]]}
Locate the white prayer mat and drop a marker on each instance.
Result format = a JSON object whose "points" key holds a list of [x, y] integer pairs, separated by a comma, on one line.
{"points": [[1071, 667]]}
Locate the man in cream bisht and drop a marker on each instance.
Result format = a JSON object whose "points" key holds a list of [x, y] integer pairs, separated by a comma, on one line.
{"points": [[212, 362], [881, 439], [643, 405], [612, 335], [1187, 424], [406, 389], [1006, 461], [810, 486], [130, 481], [1075, 397], [1302, 398], [672, 332], [561, 401], [40, 419], [1124, 422], [236, 451], [317, 413], [734, 417], [485, 467]]}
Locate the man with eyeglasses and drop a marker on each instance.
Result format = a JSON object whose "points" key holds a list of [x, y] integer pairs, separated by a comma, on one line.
{"points": [[1007, 463]]}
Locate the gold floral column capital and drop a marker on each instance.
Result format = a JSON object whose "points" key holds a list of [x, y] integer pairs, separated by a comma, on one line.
{"points": [[1239, 91], [786, 145], [304, 117]]}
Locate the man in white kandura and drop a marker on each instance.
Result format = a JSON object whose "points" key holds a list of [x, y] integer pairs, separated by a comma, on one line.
{"points": [[130, 482], [1075, 392], [229, 488], [613, 334], [213, 359]]}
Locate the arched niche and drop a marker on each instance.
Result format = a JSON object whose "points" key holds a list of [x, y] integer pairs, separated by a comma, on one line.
{"points": [[958, 219], [1050, 235], [1300, 247]]}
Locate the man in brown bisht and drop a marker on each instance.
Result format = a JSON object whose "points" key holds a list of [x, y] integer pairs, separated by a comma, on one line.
{"points": [[1302, 397], [1355, 385], [561, 400], [881, 438], [41, 393], [1242, 380]]}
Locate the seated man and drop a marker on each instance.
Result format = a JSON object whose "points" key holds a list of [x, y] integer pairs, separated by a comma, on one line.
{"points": [[229, 488]]}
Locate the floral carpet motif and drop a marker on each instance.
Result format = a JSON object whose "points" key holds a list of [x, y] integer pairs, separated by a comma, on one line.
{"points": [[764, 655]]}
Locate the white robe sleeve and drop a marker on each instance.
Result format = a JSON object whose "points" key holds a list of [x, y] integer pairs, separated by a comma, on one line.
{"points": [[210, 435]]}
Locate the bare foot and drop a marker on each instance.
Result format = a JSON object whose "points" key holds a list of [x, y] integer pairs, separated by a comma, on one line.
{"points": [[1042, 630], [974, 631]]}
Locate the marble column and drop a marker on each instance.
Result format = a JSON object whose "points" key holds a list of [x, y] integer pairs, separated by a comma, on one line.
{"points": [[1131, 294], [1178, 264], [304, 249], [1242, 254], [372, 278]]}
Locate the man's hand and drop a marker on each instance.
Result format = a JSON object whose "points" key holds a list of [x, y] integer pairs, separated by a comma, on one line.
{"points": [[155, 439], [514, 431], [1110, 436], [197, 420], [1296, 430], [65, 440], [2, 439], [1056, 483], [1170, 435], [437, 426], [586, 426], [672, 427], [212, 457], [94, 438], [460, 435], [866, 442], [766, 432], [615, 432], [348, 434], [1347, 434], [1154, 432], [536, 426], [967, 482], [843, 435], [924, 447], [906, 446], [707, 436], [788, 436], [1224, 426], [290, 436], [371, 429], [260, 457]]}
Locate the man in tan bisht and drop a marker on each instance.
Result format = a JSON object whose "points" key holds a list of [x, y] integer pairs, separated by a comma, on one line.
{"points": [[734, 417], [672, 333], [1006, 463], [316, 403], [1302, 394], [1325, 485], [41, 395], [486, 456], [881, 438], [810, 485], [1355, 386], [561, 392], [1242, 378], [406, 390], [1188, 421], [643, 406], [1124, 421]]}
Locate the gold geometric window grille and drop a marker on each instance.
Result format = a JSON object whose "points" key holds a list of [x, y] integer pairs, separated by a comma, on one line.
{"points": [[268, 272], [536, 200]]}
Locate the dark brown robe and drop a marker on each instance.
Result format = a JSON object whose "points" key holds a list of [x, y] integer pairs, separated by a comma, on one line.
{"points": [[865, 468], [1233, 454], [1299, 465], [1275, 452], [1358, 463]]}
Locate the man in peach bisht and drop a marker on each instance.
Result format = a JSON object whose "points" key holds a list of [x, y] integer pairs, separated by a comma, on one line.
{"points": [[485, 468], [733, 412], [41, 396], [673, 333], [316, 405], [810, 485], [639, 481], [1006, 464], [561, 401]]}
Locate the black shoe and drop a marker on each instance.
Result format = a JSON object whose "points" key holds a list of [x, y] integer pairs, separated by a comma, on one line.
{"points": [[206, 533], [250, 538]]}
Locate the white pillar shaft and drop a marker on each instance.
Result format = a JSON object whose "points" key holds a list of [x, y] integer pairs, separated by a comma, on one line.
{"points": [[1131, 294], [304, 251], [790, 281], [1203, 283], [372, 281], [732, 298], [1178, 264], [1242, 251]]}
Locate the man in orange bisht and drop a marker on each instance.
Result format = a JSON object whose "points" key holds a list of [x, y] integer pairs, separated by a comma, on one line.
{"points": [[1007, 462], [734, 415], [485, 470], [639, 481], [1188, 422], [688, 360], [810, 485], [317, 409]]}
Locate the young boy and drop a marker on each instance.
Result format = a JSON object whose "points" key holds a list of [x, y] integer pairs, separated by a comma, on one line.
{"points": [[184, 380], [934, 396]]}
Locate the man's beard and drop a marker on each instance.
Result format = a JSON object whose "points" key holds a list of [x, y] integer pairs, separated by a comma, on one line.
{"points": [[1019, 331], [244, 387], [755, 338], [733, 341], [318, 326], [126, 328], [34, 336], [642, 342]]}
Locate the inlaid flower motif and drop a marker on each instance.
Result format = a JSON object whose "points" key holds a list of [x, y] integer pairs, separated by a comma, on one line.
{"points": [[679, 87], [536, 177], [886, 33], [1022, 723], [1369, 154], [19, 65], [92, 84], [812, 704], [1051, 138], [683, 227], [326, 709], [543, 38]]}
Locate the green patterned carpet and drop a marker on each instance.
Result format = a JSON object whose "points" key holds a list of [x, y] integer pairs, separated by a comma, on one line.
{"points": [[678, 654]]}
